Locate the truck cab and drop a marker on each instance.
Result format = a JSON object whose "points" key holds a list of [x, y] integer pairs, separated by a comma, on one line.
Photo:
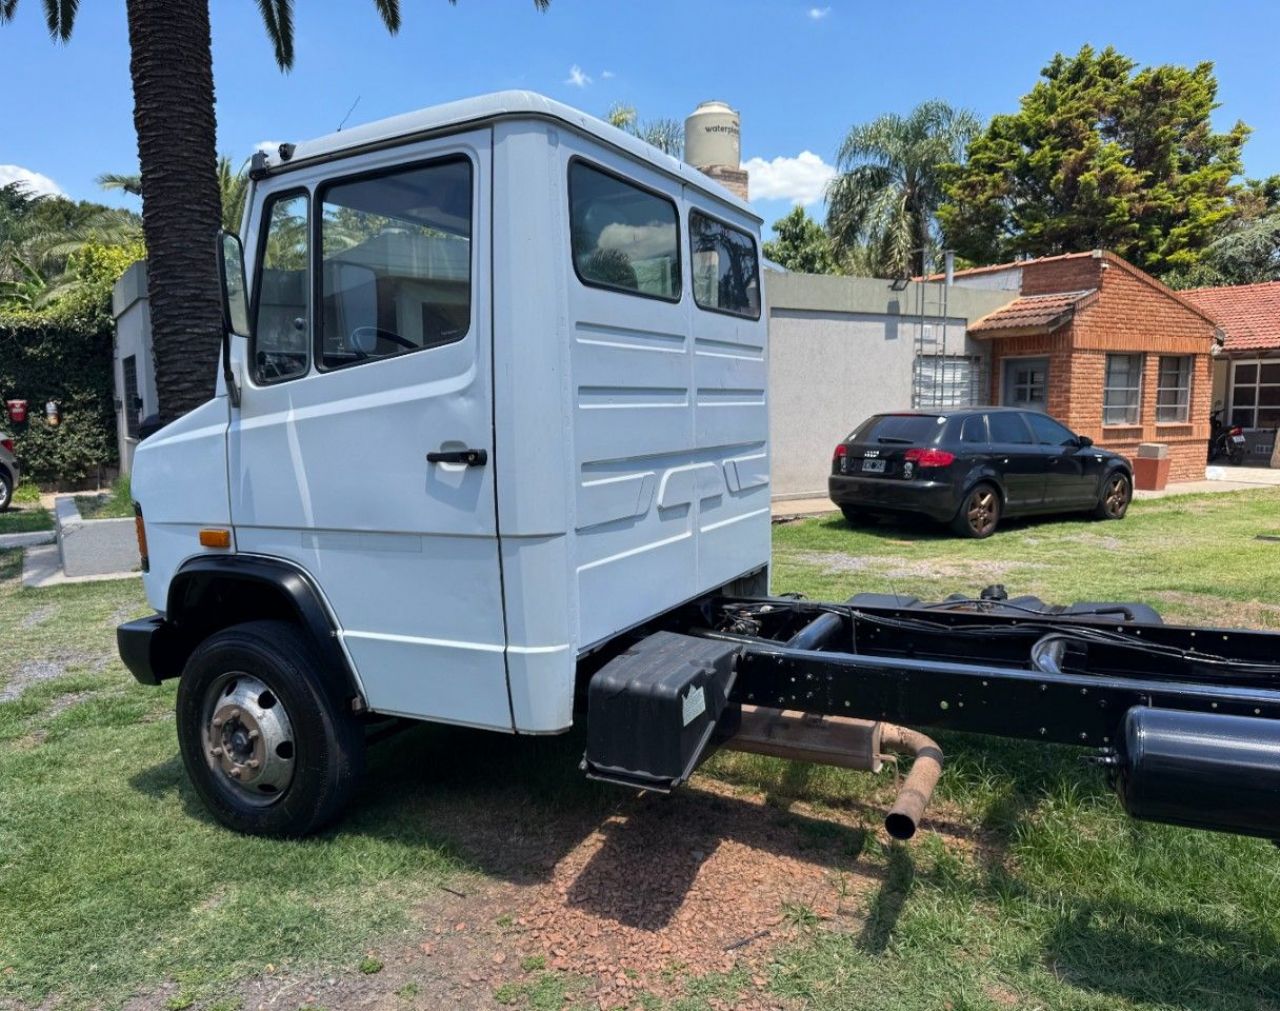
{"points": [[493, 395]]}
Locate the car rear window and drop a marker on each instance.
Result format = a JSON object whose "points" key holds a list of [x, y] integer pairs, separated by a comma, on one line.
{"points": [[900, 429]]}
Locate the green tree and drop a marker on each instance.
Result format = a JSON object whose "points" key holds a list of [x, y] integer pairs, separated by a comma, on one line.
{"points": [[889, 186], [1099, 156], [171, 65], [801, 245], [233, 186], [1248, 255]]}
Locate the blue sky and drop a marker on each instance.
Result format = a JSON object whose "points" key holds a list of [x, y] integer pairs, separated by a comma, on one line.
{"points": [[801, 73]]}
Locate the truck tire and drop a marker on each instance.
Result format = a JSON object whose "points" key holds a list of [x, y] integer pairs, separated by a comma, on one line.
{"points": [[979, 513], [268, 748]]}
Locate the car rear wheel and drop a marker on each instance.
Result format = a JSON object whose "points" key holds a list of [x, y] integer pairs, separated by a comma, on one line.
{"points": [[1117, 493], [269, 750], [6, 490], [979, 514]]}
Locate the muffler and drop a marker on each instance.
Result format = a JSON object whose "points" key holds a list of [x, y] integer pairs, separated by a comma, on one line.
{"points": [[1201, 770]]}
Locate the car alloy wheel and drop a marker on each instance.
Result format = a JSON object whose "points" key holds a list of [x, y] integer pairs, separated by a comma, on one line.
{"points": [[1115, 497], [982, 510]]}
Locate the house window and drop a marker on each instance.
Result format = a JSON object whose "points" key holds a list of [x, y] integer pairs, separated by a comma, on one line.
{"points": [[623, 237], [1026, 382], [1122, 393], [1173, 391], [132, 402], [1255, 394]]}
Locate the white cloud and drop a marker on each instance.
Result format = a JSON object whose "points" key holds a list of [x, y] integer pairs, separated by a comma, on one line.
{"points": [[606, 74], [818, 13], [36, 184], [577, 77], [802, 179]]}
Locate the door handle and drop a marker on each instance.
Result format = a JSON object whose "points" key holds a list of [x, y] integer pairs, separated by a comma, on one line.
{"points": [[471, 457]]}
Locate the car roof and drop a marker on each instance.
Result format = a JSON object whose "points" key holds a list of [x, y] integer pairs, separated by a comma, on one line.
{"points": [[486, 108], [958, 412]]}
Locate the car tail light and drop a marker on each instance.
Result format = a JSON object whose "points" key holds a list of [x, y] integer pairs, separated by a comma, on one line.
{"points": [[7, 444], [1237, 430], [931, 457], [140, 528], [840, 451]]}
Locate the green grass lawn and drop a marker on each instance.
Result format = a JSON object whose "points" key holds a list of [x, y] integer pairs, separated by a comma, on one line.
{"points": [[116, 504], [1027, 888], [24, 517]]}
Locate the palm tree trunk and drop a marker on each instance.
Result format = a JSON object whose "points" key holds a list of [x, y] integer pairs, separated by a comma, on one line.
{"points": [[172, 70]]}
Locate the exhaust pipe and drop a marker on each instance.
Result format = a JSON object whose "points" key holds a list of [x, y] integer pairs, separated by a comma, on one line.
{"points": [[904, 817], [1201, 770]]}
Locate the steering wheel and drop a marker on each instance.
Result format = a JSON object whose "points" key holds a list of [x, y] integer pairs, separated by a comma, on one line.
{"points": [[362, 333]]}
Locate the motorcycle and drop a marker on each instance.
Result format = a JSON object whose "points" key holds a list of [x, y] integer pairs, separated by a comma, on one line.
{"points": [[1224, 440]]}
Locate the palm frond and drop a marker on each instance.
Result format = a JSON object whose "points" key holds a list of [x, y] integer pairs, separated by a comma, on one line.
{"points": [[60, 16], [389, 11], [7, 7], [126, 182], [277, 18]]}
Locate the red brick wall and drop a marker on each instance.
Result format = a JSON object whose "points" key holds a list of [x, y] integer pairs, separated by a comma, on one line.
{"points": [[1131, 314]]}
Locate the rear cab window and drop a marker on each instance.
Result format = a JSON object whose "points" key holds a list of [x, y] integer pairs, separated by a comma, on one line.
{"points": [[623, 237], [726, 267], [900, 429]]}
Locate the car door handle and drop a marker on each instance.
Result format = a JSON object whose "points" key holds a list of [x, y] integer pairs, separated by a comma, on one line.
{"points": [[471, 457]]}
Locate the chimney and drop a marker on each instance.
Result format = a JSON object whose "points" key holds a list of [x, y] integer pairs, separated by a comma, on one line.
{"points": [[713, 145]]}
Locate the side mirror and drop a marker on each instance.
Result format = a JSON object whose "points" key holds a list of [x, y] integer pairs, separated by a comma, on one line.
{"points": [[235, 298], [1083, 441]]}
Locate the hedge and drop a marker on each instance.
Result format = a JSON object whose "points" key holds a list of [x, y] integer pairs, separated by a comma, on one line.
{"points": [[63, 354]]}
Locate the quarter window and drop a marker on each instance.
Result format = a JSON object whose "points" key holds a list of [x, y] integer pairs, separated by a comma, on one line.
{"points": [[396, 268], [623, 237], [726, 271], [280, 332], [1122, 392], [973, 429], [1173, 391]]}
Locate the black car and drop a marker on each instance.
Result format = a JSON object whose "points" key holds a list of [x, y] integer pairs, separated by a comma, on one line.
{"points": [[973, 466]]}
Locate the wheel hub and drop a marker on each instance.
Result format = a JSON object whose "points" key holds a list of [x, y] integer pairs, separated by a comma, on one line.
{"points": [[248, 737]]}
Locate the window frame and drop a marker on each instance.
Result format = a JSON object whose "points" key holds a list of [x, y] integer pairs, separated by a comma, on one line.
{"points": [[1137, 405], [1257, 386], [260, 257], [317, 239], [578, 159], [755, 248], [1185, 407]]}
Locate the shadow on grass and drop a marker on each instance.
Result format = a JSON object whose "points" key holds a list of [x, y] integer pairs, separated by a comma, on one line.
{"points": [[515, 807], [915, 529]]}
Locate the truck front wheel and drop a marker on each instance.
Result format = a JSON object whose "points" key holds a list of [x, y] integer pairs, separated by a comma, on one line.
{"points": [[269, 749]]}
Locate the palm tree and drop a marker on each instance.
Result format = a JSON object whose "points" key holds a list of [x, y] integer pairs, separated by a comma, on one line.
{"points": [[889, 185], [171, 64], [667, 135], [233, 187]]}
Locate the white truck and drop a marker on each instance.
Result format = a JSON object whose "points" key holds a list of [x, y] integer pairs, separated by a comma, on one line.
{"points": [[490, 447]]}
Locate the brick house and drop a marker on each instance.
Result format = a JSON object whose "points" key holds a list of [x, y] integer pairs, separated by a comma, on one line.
{"points": [[1246, 376], [1104, 348]]}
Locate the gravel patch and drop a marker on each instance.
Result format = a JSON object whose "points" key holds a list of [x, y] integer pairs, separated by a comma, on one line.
{"points": [[34, 672], [39, 616], [901, 567]]}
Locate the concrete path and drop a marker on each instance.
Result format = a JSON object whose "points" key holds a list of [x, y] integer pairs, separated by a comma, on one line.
{"points": [[1242, 475], [27, 540], [94, 547], [41, 566]]}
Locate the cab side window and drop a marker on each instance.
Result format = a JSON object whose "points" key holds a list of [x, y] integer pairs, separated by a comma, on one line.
{"points": [[396, 262], [726, 272], [281, 349], [623, 237]]}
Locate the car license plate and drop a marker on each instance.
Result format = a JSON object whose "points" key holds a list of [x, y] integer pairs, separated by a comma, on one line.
{"points": [[1237, 439], [873, 466]]}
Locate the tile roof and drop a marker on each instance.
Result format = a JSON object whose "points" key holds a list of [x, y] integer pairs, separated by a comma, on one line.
{"points": [[1249, 314], [1033, 313]]}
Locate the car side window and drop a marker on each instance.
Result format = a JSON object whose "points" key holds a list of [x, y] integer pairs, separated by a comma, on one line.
{"points": [[281, 348], [1008, 427], [1049, 432], [973, 430]]}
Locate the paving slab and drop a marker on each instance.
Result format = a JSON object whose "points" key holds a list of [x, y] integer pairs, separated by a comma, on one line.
{"points": [[93, 547], [42, 566], [27, 540]]}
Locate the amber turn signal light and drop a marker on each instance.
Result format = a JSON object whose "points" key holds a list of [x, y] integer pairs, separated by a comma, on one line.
{"points": [[140, 529], [215, 538]]}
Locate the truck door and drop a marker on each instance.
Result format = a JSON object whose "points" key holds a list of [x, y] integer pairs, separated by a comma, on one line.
{"points": [[362, 448]]}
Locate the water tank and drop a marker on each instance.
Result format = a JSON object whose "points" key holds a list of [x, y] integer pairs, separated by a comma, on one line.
{"points": [[712, 137]]}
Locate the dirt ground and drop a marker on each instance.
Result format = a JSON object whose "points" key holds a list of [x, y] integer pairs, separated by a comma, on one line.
{"points": [[660, 891]]}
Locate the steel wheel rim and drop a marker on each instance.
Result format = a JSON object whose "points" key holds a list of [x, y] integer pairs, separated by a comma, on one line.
{"points": [[981, 510], [1117, 497], [4, 494], [247, 738]]}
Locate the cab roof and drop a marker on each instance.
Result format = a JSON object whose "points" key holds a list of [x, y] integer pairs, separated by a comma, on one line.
{"points": [[486, 108]]}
